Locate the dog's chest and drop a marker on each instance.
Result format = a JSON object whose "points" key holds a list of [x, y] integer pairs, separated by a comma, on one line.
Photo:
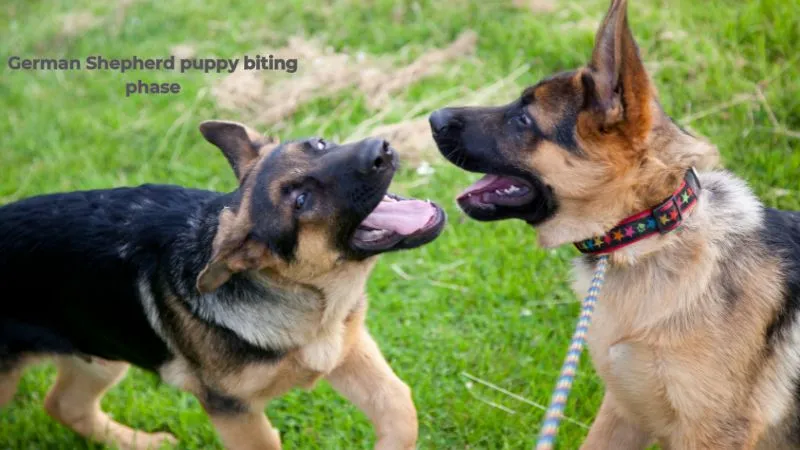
{"points": [[317, 337], [651, 348], [305, 317], [636, 369], [345, 298]]}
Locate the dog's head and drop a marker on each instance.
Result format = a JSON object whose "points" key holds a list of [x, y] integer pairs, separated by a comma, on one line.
{"points": [[578, 151], [309, 205]]}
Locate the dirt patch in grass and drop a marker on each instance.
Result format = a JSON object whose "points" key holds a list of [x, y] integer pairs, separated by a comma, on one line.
{"points": [[269, 97], [183, 51], [77, 23], [536, 6], [412, 138]]}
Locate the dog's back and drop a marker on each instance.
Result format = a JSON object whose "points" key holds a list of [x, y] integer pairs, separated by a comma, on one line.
{"points": [[783, 236], [70, 260]]}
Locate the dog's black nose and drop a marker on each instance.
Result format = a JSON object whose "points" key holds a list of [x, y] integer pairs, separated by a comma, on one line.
{"points": [[377, 156], [440, 119]]}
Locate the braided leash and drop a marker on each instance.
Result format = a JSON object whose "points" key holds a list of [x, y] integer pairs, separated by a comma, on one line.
{"points": [[555, 411]]}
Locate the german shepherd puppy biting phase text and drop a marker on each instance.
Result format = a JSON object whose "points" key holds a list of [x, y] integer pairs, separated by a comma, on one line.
{"points": [[234, 297], [696, 332]]}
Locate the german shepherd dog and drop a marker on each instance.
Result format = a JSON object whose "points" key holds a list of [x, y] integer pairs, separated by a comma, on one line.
{"points": [[696, 333], [234, 297]]}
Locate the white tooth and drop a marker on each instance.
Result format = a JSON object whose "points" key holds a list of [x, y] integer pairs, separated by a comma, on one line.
{"points": [[373, 235], [512, 189], [498, 192]]}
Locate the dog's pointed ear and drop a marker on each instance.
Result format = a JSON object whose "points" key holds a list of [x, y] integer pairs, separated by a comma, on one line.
{"points": [[232, 251], [617, 85], [241, 145]]}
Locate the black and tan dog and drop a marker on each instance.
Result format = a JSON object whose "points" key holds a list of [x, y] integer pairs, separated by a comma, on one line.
{"points": [[696, 332], [234, 297]]}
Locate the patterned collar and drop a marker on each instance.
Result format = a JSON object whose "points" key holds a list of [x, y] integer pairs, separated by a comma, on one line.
{"points": [[665, 217]]}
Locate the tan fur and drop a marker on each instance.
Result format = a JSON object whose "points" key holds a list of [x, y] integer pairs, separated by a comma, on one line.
{"points": [[8, 384], [326, 334], [332, 342], [74, 401], [241, 145], [231, 253], [251, 431], [347, 356], [632, 156], [311, 329], [678, 335], [367, 380], [548, 108], [662, 343]]}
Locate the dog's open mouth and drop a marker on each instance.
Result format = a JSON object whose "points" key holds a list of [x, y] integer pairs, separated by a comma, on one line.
{"points": [[498, 197], [399, 223], [493, 190]]}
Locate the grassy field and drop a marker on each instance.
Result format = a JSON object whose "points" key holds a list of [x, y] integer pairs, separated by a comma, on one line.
{"points": [[482, 300]]}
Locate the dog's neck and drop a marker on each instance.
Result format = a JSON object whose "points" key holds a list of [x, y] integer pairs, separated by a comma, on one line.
{"points": [[670, 151], [647, 283], [722, 199], [262, 307], [665, 217]]}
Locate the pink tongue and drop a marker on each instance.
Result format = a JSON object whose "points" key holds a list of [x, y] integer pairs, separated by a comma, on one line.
{"points": [[482, 183], [403, 217]]}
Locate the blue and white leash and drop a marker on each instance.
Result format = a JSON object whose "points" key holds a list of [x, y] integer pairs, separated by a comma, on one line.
{"points": [[555, 412]]}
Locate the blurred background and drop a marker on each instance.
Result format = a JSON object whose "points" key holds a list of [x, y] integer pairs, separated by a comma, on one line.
{"points": [[477, 323]]}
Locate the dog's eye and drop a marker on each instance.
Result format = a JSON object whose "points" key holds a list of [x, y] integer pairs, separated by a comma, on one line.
{"points": [[524, 120], [321, 144], [300, 201]]}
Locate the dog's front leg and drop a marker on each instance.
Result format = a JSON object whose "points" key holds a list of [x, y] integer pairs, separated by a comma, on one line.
{"points": [[243, 427], [613, 432], [365, 378]]}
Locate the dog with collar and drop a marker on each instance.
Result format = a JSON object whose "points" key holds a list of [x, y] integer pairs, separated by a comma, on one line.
{"points": [[696, 332], [234, 297]]}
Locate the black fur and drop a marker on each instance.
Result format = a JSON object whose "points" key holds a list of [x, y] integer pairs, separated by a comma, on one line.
{"points": [[494, 141], [782, 236], [217, 403], [71, 264], [282, 237], [69, 267]]}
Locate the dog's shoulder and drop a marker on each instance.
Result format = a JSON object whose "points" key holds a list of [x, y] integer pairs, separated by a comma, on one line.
{"points": [[730, 203]]}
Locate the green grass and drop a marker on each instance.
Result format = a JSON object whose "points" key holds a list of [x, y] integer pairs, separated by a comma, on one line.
{"points": [[483, 298]]}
